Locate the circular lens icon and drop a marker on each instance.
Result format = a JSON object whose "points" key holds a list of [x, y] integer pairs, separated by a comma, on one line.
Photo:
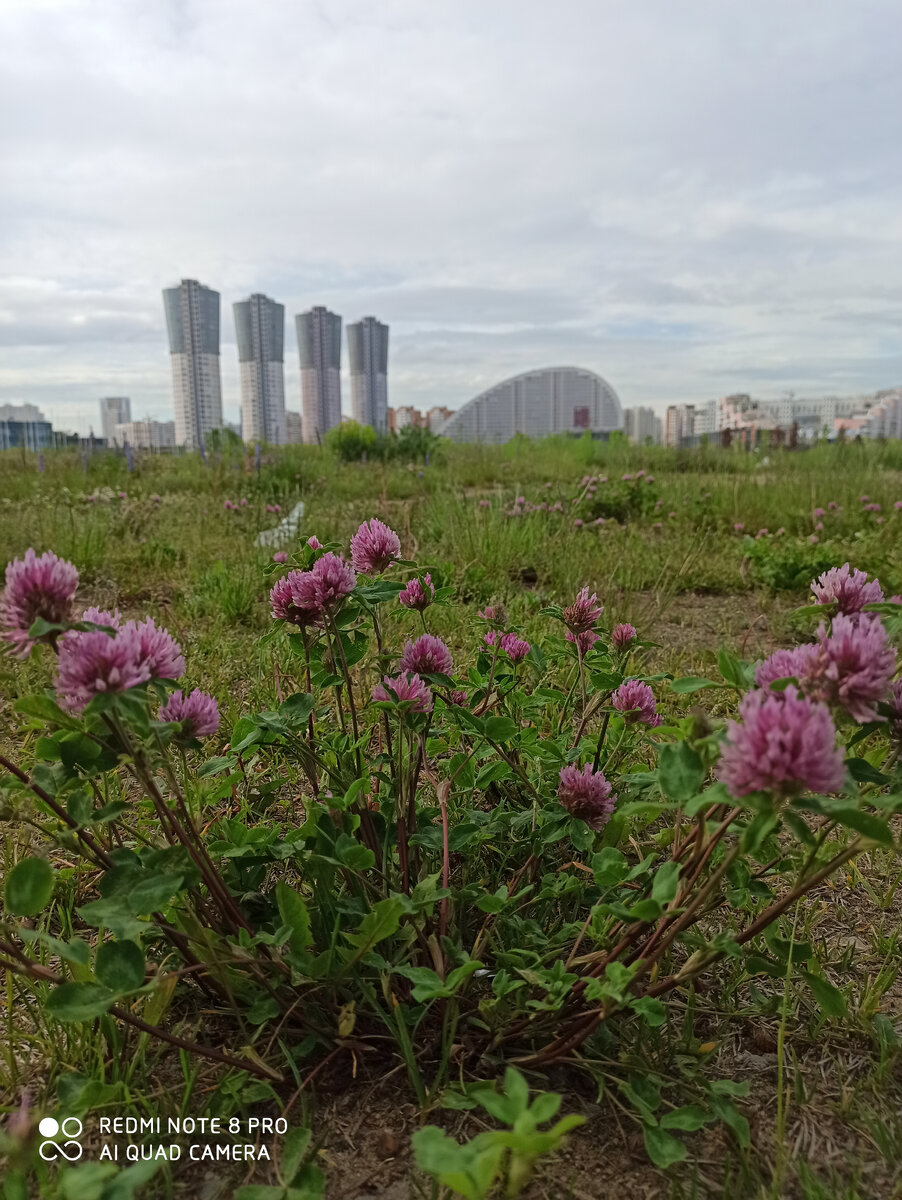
{"points": [[48, 1127], [71, 1127]]}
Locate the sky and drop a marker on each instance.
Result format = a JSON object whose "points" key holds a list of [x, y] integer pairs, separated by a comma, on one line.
{"points": [[691, 199]]}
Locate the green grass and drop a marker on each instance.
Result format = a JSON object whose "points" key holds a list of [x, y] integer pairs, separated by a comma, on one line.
{"points": [[825, 1093]]}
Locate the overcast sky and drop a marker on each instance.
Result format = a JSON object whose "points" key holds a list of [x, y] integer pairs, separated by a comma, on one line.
{"points": [[690, 198]]}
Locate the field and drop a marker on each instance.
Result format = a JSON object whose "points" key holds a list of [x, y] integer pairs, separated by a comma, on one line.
{"points": [[323, 935]]}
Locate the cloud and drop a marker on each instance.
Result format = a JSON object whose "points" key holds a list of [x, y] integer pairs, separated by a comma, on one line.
{"points": [[687, 198]]}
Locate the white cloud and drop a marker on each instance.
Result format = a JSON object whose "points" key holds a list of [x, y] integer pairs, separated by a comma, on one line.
{"points": [[688, 198]]}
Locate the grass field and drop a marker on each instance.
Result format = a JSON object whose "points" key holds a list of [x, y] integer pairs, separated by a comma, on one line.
{"points": [[701, 551]]}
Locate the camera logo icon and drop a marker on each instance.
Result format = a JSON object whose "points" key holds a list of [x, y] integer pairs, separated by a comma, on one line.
{"points": [[68, 1128]]}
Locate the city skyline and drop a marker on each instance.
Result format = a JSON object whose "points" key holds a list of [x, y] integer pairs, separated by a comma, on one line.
{"points": [[689, 200]]}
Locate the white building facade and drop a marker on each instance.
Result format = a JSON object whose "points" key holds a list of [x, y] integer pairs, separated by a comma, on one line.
{"points": [[114, 410], [368, 354], [146, 435], [192, 321], [260, 330], [319, 345], [538, 403]]}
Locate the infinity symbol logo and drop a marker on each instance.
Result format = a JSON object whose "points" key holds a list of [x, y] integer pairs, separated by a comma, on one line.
{"points": [[69, 1127]]}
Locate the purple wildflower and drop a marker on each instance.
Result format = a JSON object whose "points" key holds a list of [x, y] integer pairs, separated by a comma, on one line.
{"points": [[854, 665], [847, 588], [515, 648], [485, 504], [636, 702], [738, 527], [785, 743], [623, 635], [102, 616], [495, 615], [94, 663], [407, 691], [582, 614], [586, 795], [280, 556], [459, 698], [314, 543], [492, 637], [785, 664], [895, 704], [244, 502], [418, 594], [35, 587], [373, 547], [293, 598], [820, 512], [428, 655], [198, 711], [160, 652], [578, 523], [334, 579], [583, 641]]}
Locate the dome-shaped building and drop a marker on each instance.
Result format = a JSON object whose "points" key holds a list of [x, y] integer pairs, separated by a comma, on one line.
{"points": [[538, 403]]}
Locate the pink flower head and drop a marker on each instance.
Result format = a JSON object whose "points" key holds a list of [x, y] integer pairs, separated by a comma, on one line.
{"points": [[636, 702], [244, 502], [586, 795], [406, 691], [485, 504], [123, 495], [785, 664], [35, 587], [495, 615], [293, 598], [492, 637], [102, 616], [872, 508], [228, 504], [93, 663], [738, 527], [814, 539], [428, 655], [578, 523], [314, 543], [373, 547], [548, 485], [515, 648], [418, 594], [520, 500], [832, 505], [854, 665], [583, 641], [198, 712], [847, 588], [784, 743], [582, 614], [864, 499], [160, 652], [459, 698], [623, 636], [760, 534], [820, 512], [280, 556], [334, 579], [898, 504], [625, 478]]}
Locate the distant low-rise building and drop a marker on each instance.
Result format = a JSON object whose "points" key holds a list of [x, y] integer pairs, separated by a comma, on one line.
{"points": [[643, 425], [400, 418], [114, 410], [146, 435], [24, 426], [437, 416]]}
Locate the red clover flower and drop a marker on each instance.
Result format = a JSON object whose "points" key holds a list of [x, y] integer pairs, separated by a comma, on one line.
{"points": [[586, 795], [407, 690], [418, 594], [35, 587], [428, 655], [373, 547], [198, 712], [636, 702]]}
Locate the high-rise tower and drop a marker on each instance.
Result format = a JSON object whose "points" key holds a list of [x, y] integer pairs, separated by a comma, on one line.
{"points": [[260, 326], [114, 410], [368, 352], [319, 343], [192, 319]]}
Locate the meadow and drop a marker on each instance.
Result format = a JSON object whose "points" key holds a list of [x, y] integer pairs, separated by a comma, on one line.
{"points": [[384, 918]]}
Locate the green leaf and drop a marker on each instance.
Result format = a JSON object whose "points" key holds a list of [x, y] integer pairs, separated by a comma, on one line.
{"points": [[865, 823], [120, 966], [732, 1117], [693, 683], [492, 772], [609, 866], [864, 772], [686, 1119], [500, 729], [45, 709], [830, 999], [663, 1148], [75, 951], [295, 914], [79, 1001], [296, 709], [665, 883], [294, 1147], [681, 772], [652, 1010], [379, 923], [29, 887], [736, 672]]}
